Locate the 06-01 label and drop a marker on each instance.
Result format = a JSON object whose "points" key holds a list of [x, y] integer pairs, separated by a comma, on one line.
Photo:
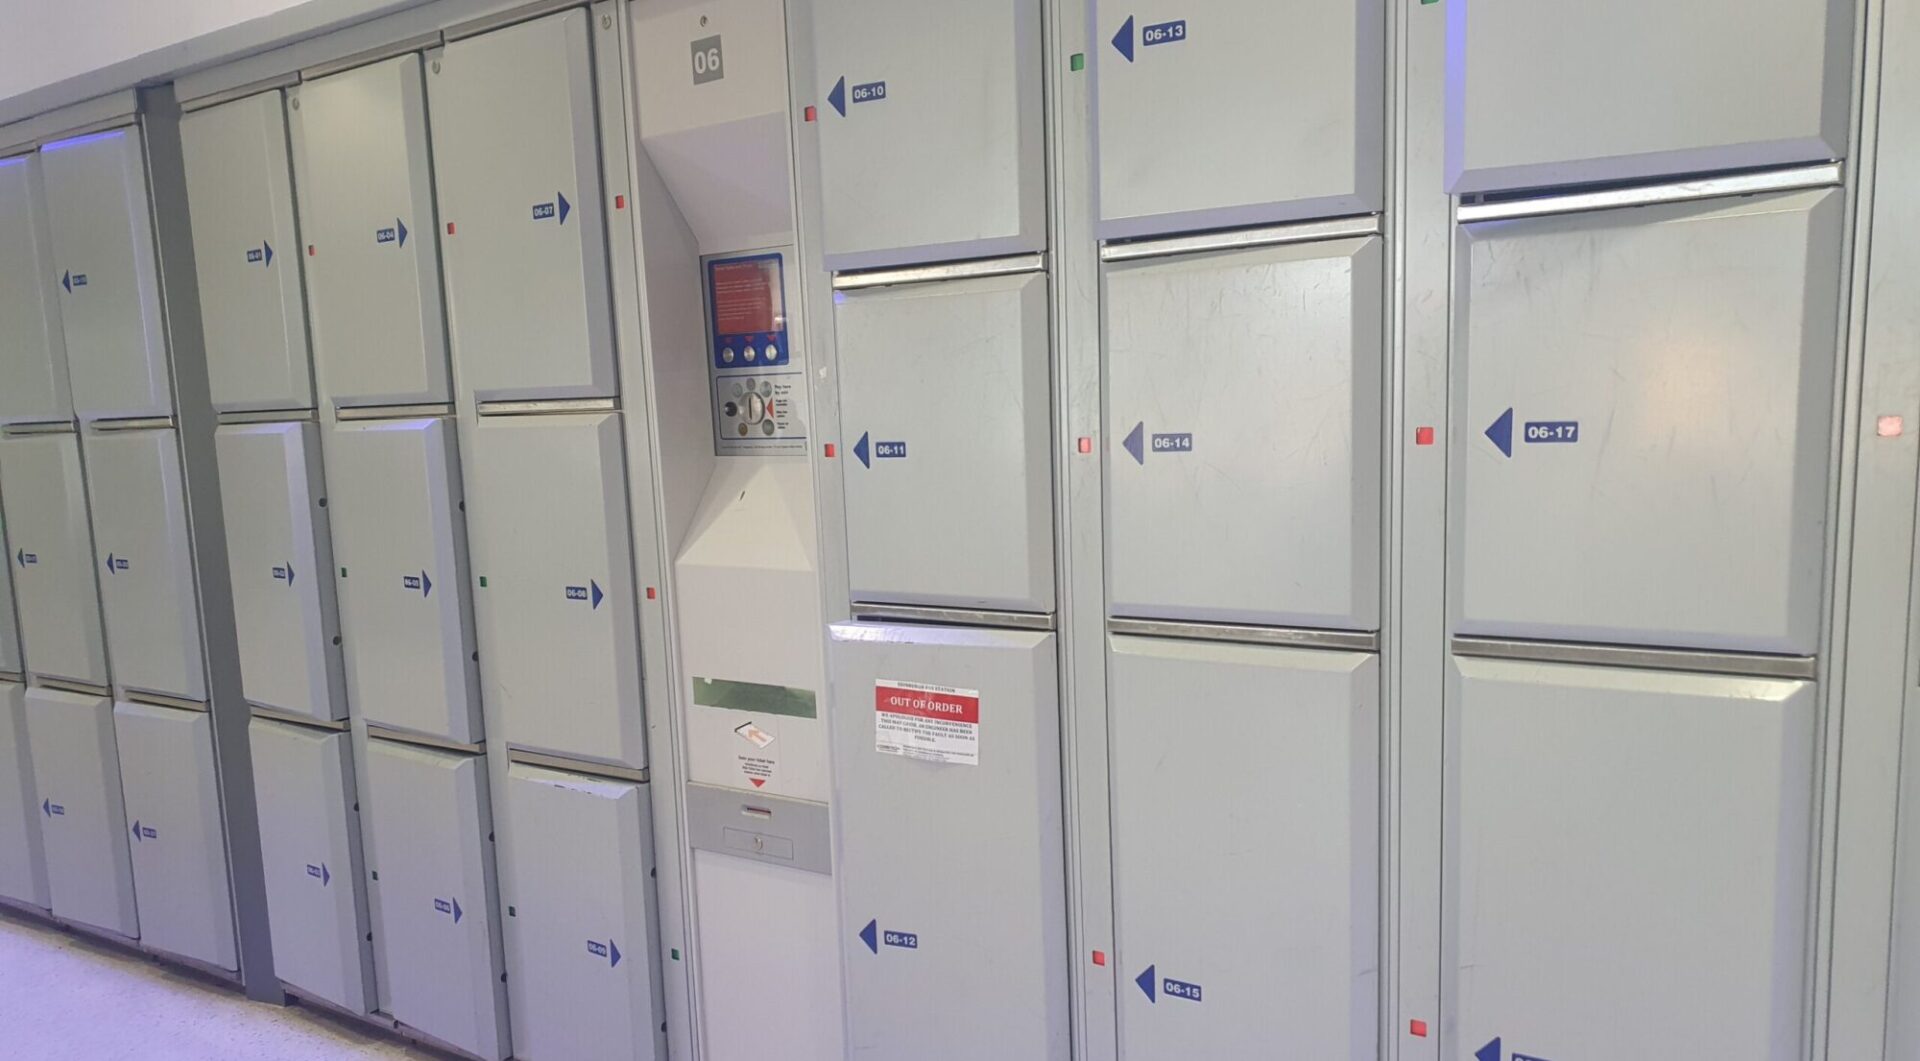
{"points": [[935, 723]]}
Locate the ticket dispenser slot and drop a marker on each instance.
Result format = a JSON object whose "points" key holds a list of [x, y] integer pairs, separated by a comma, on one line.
{"points": [[83, 817], [102, 228], [146, 562], [280, 560], [1239, 113], [517, 164], [364, 171], [247, 254], [33, 375], [23, 854], [177, 838], [52, 543]]}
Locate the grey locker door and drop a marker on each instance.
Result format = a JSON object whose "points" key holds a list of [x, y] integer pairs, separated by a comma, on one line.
{"points": [[554, 603], [1643, 408], [102, 230], [54, 584], [247, 254], [946, 414], [576, 879], [1544, 92], [280, 560], [366, 212], [1628, 861], [178, 838], [23, 855], [931, 132], [517, 166], [147, 587], [1246, 850], [433, 864], [83, 819], [1243, 409], [310, 845], [952, 863], [1237, 113], [33, 375]]}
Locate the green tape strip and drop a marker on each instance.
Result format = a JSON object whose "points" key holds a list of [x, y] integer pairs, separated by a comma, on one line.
{"points": [[754, 697]]}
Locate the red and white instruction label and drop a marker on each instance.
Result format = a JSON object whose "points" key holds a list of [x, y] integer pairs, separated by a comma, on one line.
{"points": [[931, 722]]}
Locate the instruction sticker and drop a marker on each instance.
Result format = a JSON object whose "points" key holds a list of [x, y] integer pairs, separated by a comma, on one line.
{"points": [[932, 722]]}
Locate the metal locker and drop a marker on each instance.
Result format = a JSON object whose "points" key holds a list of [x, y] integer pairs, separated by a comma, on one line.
{"points": [[1246, 849], [366, 212], [10, 661], [554, 608], [33, 374], [945, 920], [400, 543], [1243, 405], [576, 880], [178, 837], [146, 560], [310, 845], [433, 865], [931, 143], [1251, 113], [517, 167], [246, 252], [102, 230], [946, 387], [83, 819], [280, 560], [1629, 859], [54, 585], [1643, 406], [23, 856], [1546, 92]]}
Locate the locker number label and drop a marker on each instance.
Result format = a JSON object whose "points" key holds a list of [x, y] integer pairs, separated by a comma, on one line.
{"points": [[934, 723], [709, 63], [908, 940], [870, 92], [1552, 431], [1164, 33]]}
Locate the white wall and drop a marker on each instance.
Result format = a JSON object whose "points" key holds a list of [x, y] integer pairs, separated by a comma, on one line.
{"points": [[46, 41]]}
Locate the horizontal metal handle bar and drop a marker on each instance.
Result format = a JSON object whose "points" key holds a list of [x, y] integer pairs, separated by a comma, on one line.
{"points": [[924, 274], [271, 714], [138, 423], [916, 613], [576, 766], [1750, 664], [270, 416], [1243, 238], [1823, 175], [393, 412], [1296, 637], [401, 736], [49, 427], [178, 703], [551, 405], [66, 686]]}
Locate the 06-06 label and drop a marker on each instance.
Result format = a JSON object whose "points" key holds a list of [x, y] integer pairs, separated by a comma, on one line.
{"points": [[936, 723]]}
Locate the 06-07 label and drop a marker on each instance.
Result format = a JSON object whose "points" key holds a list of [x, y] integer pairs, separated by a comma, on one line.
{"points": [[935, 723]]}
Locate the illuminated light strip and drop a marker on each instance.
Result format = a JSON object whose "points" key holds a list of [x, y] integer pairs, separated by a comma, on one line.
{"points": [[1826, 174]]}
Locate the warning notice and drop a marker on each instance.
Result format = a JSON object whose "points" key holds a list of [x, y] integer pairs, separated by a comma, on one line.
{"points": [[931, 722]]}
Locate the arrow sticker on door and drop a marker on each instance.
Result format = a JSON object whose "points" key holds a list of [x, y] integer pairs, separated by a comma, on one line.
{"points": [[450, 907], [26, 558], [1153, 985], [116, 563], [608, 950], [420, 582], [1533, 433], [397, 235], [284, 573], [320, 873], [1492, 1051], [1123, 40], [261, 255]]}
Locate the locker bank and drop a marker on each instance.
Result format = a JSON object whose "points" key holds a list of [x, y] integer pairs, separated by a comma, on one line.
{"points": [[1056, 530]]}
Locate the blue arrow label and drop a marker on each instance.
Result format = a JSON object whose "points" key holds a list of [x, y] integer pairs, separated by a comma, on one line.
{"points": [[870, 936], [1500, 433], [26, 558], [907, 940], [320, 873], [1134, 443], [420, 582], [1489, 1052], [54, 810], [1164, 33], [145, 834], [1123, 40], [838, 96], [889, 450], [66, 281], [284, 573], [860, 451], [1145, 981], [449, 906], [116, 563], [396, 235]]}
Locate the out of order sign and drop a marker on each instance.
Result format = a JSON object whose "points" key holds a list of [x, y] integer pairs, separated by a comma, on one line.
{"points": [[935, 723]]}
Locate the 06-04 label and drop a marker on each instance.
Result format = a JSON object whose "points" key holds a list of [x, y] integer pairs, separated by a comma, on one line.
{"points": [[935, 723]]}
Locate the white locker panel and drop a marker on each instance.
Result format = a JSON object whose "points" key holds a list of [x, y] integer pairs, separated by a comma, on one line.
{"points": [[554, 608], [102, 229], [83, 819], [1544, 92], [1247, 886], [10, 659], [576, 881], [1243, 409], [310, 844], [280, 560], [33, 347], [952, 864], [1238, 113], [931, 130], [517, 167], [23, 856], [433, 865], [178, 839], [1644, 408], [792, 990], [945, 399], [54, 585], [366, 212], [146, 562], [400, 544], [1584, 798], [246, 252]]}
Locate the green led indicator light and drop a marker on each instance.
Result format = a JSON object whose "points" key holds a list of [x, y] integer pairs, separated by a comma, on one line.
{"points": [[1078, 62], [676, 954], [483, 582], [343, 572], [1424, 3]]}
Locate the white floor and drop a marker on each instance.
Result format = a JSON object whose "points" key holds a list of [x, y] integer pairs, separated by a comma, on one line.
{"points": [[65, 997]]}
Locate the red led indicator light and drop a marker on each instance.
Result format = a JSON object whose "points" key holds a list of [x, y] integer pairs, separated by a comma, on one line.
{"points": [[1890, 426], [1418, 1028], [810, 113], [310, 251], [1099, 957], [829, 451], [1423, 436], [651, 593], [619, 202], [449, 228], [1086, 445]]}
